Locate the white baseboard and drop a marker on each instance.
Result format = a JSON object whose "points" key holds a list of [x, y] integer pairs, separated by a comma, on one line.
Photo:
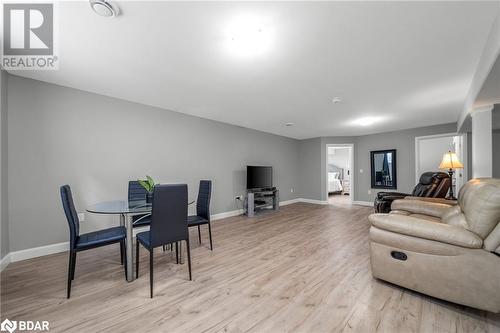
{"points": [[312, 201], [38, 251], [4, 261], [363, 203], [224, 215], [289, 202], [61, 247]]}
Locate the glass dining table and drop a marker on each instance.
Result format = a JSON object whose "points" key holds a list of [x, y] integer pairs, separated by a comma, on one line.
{"points": [[126, 210]]}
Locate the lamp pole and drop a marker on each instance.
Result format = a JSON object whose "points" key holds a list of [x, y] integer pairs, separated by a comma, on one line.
{"points": [[450, 195]]}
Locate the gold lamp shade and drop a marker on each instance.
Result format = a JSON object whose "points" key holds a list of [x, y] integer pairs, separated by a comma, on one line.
{"points": [[450, 161]]}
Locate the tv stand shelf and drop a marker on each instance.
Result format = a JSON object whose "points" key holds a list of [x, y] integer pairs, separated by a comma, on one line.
{"points": [[259, 199]]}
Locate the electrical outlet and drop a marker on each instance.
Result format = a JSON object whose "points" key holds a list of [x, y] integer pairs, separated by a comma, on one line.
{"points": [[360, 170], [81, 217], [369, 191], [292, 190]]}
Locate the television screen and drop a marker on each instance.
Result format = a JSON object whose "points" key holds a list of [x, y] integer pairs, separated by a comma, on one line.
{"points": [[259, 177]]}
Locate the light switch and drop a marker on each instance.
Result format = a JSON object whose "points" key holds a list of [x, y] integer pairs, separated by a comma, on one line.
{"points": [[360, 170], [81, 217]]}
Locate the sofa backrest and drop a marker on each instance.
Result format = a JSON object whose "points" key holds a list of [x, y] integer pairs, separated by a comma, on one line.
{"points": [[479, 201], [432, 184]]}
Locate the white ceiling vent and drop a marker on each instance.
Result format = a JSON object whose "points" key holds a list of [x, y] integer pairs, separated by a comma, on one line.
{"points": [[104, 8]]}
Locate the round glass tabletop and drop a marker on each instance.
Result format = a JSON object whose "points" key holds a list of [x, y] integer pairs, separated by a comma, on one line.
{"points": [[122, 207]]}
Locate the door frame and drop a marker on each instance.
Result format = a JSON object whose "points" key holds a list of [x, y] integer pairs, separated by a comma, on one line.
{"points": [[464, 154], [351, 163]]}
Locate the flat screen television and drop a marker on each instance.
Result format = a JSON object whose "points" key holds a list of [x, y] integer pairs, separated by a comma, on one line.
{"points": [[259, 177]]}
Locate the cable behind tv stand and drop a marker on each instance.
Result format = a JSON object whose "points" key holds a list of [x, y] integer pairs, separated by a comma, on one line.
{"points": [[260, 199]]}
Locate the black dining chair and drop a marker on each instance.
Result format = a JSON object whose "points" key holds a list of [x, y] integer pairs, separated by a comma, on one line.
{"points": [[202, 210], [138, 193], [168, 224], [89, 240]]}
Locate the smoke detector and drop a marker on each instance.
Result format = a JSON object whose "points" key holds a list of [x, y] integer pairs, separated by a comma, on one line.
{"points": [[103, 8]]}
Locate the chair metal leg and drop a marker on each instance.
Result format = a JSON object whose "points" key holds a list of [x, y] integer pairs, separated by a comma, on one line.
{"points": [[70, 273], [210, 235], [177, 252], [189, 258], [164, 248], [121, 252], [74, 266], [136, 259], [180, 252], [151, 272], [123, 259], [199, 234]]}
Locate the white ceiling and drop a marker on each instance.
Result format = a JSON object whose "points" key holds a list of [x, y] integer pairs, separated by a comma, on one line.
{"points": [[490, 91], [408, 63]]}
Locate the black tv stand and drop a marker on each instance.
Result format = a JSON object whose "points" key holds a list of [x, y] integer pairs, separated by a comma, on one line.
{"points": [[260, 199]]}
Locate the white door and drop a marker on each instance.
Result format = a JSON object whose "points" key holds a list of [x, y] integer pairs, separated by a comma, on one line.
{"points": [[429, 151], [460, 145]]}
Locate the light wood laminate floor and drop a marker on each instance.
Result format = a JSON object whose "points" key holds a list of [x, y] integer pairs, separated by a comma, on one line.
{"points": [[304, 269]]}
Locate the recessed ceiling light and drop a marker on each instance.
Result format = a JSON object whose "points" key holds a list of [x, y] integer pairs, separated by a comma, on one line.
{"points": [[103, 8], [366, 121], [336, 100], [289, 124]]}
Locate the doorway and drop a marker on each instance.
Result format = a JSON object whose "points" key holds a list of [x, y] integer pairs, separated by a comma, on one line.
{"points": [[429, 151], [339, 175]]}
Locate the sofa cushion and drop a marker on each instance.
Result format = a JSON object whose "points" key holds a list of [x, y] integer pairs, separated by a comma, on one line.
{"points": [[437, 200], [421, 207], [417, 227], [492, 242], [426, 217], [479, 200], [454, 216]]}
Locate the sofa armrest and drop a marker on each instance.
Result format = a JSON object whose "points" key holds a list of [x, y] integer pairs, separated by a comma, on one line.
{"points": [[420, 207], [436, 200], [412, 226], [392, 194], [393, 197]]}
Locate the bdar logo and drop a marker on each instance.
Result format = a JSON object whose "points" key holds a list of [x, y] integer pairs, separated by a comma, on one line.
{"points": [[8, 325]]}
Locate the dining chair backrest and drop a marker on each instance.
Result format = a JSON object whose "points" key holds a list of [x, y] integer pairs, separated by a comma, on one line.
{"points": [[203, 202], [71, 214], [169, 214], [135, 191]]}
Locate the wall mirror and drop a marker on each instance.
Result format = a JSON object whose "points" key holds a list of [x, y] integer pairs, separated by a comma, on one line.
{"points": [[383, 168]]}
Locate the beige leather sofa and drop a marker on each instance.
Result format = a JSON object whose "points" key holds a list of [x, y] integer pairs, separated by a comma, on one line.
{"points": [[444, 250]]}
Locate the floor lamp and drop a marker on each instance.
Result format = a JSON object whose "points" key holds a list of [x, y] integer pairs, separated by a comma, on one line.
{"points": [[450, 161]]}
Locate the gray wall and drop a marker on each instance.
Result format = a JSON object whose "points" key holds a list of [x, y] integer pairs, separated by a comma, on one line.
{"points": [[4, 225], [403, 141], [496, 153], [60, 135], [310, 169]]}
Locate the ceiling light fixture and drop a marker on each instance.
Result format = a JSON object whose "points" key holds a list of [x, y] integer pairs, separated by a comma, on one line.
{"points": [[103, 8], [289, 124], [366, 121], [335, 100], [248, 36]]}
